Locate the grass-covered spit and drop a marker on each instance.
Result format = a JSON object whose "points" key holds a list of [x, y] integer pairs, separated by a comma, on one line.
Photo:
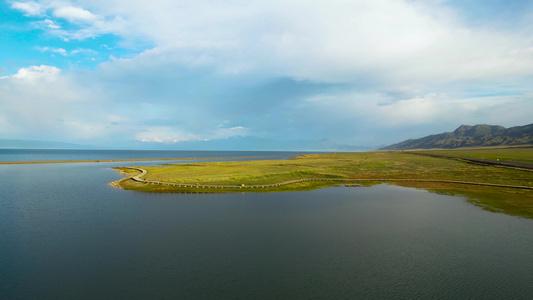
{"points": [[367, 165]]}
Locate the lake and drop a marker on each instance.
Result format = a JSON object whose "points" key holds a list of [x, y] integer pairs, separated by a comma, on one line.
{"points": [[64, 233]]}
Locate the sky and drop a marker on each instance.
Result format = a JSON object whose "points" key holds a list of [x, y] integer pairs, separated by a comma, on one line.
{"points": [[137, 74]]}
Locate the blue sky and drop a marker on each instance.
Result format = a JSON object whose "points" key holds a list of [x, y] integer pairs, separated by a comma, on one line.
{"points": [[128, 74]]}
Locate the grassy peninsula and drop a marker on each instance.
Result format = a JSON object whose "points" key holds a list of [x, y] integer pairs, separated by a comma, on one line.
{"points": [[242, 175]]}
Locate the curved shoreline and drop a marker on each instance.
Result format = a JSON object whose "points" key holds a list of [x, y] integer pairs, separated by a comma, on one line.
{"points": [[144, 172]]}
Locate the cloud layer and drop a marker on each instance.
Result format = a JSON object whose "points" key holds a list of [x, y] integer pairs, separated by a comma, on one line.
{"points": [[356, 72]]}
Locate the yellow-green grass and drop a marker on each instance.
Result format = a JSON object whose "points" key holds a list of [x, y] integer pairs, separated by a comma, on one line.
{"points": [[368, 165], [299, 186], [391, 165], [517, 153]]}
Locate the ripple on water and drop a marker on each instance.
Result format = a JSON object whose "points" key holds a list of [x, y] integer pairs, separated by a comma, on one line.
{"points": [[69, 234]]}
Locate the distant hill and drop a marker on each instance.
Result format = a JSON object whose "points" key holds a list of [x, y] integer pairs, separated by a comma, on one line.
{"points": [[30, 144], [246, 143], [471, 136], [253, 143]]}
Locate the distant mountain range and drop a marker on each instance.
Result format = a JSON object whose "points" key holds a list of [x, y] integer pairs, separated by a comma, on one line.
{"points": [[253, 143], [247, 143], [30, 144], [471, 136]]}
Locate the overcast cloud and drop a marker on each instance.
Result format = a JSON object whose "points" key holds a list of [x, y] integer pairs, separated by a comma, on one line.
{"points": [[363, 73]]}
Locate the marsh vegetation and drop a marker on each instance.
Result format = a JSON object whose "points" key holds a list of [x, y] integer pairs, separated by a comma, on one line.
{"points": [[366, 165]]}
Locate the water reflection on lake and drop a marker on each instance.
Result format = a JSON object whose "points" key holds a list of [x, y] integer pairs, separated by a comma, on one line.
{"points": [[65, 234]]}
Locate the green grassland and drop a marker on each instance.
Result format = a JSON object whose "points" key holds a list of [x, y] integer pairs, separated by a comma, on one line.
{"points": [[517, 153], [367, 165]]}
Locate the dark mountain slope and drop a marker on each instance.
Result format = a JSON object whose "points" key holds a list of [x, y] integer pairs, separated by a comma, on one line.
{"points": [[471, 136]]}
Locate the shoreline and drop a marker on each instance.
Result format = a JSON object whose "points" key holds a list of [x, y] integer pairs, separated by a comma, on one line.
{"points": [[490, 186], [128, 159]]}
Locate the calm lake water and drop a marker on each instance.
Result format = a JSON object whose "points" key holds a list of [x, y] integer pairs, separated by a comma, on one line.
{"points": [[65, 234], [61, 154]]}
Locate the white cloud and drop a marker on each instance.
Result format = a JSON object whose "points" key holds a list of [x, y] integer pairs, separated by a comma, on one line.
{"points": [[50, 24], [38, 73], [83, 51], [83, 23], [164, 134], [75, 14], [84, 129], [222, 133], [324, 41], [44, 102], [327, 41], [30, 8], [387, 63], [360, 110], [52, 49], [38, 99], [65, 52], [174, 134]]}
